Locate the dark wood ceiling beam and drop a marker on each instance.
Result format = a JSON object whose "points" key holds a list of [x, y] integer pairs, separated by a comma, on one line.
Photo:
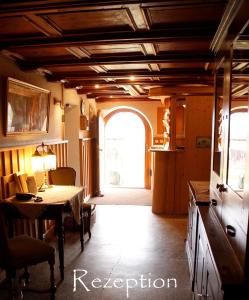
{"points": [[233, 21], [118, 99], [8, 8], [169, 73], [85, 90], [191, 33], [143, 83], [110, 96], [103, 92], [176, 57]]}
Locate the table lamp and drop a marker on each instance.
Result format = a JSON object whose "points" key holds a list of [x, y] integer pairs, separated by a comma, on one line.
{"points": [[43, 160]]}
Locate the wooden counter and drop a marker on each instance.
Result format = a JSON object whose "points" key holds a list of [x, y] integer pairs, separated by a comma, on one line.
{"points": [[166, 181]]}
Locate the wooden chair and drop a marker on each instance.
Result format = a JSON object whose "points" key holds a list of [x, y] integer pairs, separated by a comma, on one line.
{"points": [[21, 252], [67, 176]]}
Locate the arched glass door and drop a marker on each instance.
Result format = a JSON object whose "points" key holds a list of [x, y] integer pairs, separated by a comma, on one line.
{"points": [[124, 151]]}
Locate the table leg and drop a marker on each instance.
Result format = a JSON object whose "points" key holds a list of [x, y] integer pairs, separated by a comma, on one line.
{"points": [[40, 229], [60, 232], [81, 229]]}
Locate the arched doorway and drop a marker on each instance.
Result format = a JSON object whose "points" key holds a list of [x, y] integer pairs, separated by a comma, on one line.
{"points": [[127, 141]]}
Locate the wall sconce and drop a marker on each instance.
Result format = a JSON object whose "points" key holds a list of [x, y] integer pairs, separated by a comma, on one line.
{"points": [[43, 160], [57, 101]]}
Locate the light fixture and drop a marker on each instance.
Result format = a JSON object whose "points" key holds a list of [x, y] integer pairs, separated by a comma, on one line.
{"points": [[57, 101], [132, 78], [43, 160], [96, 86]]}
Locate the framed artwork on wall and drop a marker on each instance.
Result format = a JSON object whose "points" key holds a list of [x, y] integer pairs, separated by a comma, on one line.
{"points": [[27, 108]]}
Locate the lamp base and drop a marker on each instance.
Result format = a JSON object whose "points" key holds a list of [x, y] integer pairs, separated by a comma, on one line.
{"points": [[43, 187]]}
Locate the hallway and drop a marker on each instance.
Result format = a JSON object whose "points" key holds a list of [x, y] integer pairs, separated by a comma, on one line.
{"points": [[127, 242], [123, 196]]}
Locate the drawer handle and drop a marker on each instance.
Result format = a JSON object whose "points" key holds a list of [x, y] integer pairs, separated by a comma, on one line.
{"points": [[230, 230], [214, 202]]}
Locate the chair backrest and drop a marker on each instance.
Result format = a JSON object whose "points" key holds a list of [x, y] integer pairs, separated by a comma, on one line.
{"points": [[9, 186], [62, 176]]}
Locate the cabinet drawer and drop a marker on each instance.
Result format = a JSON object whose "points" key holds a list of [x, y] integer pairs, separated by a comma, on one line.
{"points": [[235, 235]]}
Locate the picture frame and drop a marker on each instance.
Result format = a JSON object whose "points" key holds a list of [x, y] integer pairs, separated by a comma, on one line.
{"points": [[26, 108]]}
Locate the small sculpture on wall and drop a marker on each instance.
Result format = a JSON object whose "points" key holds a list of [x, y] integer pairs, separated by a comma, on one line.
{"points": [[83, 118]]}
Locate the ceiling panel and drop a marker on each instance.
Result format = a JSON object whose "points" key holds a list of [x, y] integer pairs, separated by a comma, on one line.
{"points": [[42, 52], [16, 26], [91, 20], [181, 65], [184, 45], [70, 68], [183, 14]]}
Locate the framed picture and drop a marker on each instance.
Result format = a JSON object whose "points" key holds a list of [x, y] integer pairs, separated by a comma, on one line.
{"points": [[203, 141], [27, 108]]}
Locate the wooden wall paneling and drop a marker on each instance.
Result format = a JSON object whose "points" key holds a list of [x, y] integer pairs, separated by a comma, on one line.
{"points": [[181, 190], [14, 161], [92, 168], [66, 153], [164, 182], [7, 163], [86, 166], [80, 156], [20, 154]]}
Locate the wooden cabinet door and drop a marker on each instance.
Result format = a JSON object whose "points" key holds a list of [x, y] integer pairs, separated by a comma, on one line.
{"points": [[191, 238], [211, 287], [199, 267]]}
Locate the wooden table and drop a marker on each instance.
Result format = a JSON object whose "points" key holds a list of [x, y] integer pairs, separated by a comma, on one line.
{"points": [[51, 208]]}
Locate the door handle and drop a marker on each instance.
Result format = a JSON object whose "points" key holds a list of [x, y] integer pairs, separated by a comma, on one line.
{"points": [[230, 230], [214, 202], [221, 187]]}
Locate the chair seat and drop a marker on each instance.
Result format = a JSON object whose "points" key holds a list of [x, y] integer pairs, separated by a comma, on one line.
{"points": [[25, 250]]}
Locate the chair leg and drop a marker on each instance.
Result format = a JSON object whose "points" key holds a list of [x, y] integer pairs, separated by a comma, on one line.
{"points": [[52, 280], [25, 276], [10, 276]]}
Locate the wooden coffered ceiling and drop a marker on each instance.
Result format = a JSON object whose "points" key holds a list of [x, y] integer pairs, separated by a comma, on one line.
{"points": [[113, 49]]}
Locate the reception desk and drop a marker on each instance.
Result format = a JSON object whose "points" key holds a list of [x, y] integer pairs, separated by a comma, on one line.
{"points": [[168, 191]]}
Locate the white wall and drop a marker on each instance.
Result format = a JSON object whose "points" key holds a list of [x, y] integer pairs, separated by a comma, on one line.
{"points": [[72, 123]]}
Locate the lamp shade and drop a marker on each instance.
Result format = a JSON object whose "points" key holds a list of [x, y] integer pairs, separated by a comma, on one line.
{"points": [[49, 161], [37, 162], [44, 160]]}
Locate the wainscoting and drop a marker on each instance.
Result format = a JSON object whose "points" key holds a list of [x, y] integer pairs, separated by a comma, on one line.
{"points": [[87, 165]]}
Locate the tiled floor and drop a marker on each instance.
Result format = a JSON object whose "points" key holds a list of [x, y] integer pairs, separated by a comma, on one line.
{"points": [[130, 246]]}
